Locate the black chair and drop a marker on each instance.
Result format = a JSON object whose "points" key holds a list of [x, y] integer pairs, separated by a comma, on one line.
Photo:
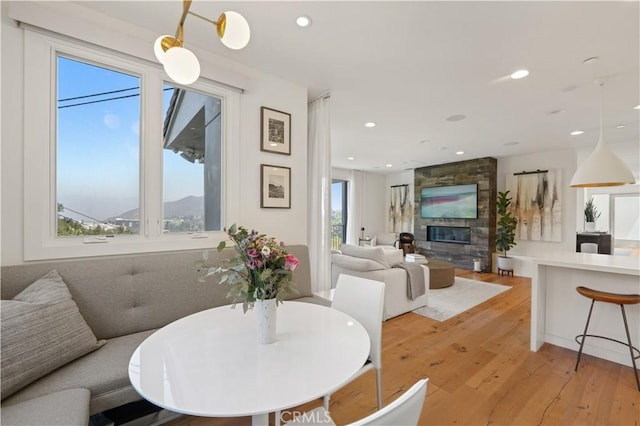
{"points": [[406, 241]]}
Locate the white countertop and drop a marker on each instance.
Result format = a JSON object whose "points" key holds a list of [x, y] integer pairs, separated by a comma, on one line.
{"points": [[629, 265]]}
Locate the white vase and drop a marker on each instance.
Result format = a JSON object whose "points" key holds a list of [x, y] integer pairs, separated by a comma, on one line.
{"points": [[266, 319], [589, 226]]}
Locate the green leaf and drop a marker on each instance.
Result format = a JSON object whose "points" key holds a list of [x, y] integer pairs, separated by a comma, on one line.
{"points": [[221, 245]]}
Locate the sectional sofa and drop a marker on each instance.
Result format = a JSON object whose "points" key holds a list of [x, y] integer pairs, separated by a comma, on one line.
{"points": [[378, 264], [112, 304]]}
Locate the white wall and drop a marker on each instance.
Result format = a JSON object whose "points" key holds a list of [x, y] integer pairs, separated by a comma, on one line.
{"points": [[564, 160], [289, 225], [374, 204]]}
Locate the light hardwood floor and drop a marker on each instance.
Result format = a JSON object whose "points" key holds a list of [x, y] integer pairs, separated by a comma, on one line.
{"points": [[481, 372]]}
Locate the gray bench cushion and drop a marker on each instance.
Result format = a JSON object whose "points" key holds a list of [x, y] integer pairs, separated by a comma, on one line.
{"points": [[65, 408], [104, 372]]}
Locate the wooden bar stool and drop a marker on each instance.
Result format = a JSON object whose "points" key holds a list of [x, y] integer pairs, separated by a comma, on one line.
{"points": [[618, 299]]}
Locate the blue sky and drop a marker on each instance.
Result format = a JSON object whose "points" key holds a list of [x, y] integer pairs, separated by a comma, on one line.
{"points": [[336, 196], [98, 144]]}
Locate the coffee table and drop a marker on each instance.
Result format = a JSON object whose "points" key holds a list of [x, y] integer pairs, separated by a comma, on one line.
{"points": [[441, 273], [210, 364]]}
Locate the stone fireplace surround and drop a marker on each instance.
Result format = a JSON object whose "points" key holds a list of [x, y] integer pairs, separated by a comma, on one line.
{"points": [[481, 244]]}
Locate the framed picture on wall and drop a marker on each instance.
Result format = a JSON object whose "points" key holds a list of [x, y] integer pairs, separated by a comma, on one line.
{"points": [[275, 184], [275, 131]]}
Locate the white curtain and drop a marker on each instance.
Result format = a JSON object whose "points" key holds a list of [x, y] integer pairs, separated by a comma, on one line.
{"points": [[319, 202], [354, 207]]}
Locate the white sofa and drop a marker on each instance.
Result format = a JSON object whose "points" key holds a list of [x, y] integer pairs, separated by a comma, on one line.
{"points": [[376, 263], [387, 240]]}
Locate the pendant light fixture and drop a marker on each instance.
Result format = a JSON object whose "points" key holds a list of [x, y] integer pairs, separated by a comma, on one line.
{"points": [[602, 167], [180, 63]]}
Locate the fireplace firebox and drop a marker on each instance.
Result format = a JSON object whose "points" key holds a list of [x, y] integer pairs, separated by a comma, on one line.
{"points": [[449, 234]]}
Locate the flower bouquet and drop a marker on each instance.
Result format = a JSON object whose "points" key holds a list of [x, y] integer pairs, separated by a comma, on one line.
{"points": [[260, 270]]}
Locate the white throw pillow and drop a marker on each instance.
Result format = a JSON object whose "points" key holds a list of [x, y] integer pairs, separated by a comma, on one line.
{"points": [[393, 256], [373, 253]]}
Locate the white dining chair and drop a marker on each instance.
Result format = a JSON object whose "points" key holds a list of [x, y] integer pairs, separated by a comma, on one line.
{"points": [[589, 248], [363, 299], [403, 411]]}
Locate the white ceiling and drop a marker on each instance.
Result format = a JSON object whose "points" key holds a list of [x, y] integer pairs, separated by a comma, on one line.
{"points": [[409, 65]]}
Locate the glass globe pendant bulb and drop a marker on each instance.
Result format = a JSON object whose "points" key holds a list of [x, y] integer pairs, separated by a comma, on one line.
{"points": [[233, 30], [162, 45], [181, 65]]}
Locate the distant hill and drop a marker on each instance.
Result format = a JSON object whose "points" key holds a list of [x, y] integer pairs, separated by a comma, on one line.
{"points": [[187, 206]]}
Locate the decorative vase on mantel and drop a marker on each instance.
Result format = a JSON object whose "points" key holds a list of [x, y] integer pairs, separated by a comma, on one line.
{"points": [[266, 318]]}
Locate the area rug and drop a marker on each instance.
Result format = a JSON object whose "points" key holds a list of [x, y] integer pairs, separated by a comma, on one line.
{"points": [[464, 294]]}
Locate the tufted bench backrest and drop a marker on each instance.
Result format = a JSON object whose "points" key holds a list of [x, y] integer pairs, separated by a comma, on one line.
{"points": [[119, 295]]}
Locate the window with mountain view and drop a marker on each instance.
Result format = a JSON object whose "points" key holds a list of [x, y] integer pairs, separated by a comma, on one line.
{"points": [[98, 154], [192, 171], [97, 150]]}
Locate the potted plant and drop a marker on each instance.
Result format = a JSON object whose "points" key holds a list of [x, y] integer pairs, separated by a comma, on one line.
{"points": [[505, 231], [591, 213]]}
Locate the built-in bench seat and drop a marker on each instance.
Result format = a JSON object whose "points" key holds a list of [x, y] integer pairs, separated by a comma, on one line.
{"points": [[123, 299]]}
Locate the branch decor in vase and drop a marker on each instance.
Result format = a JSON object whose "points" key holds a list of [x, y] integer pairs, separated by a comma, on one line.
{"points": [[259, 275]]}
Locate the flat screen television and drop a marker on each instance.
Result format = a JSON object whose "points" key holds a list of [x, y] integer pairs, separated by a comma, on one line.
{"points": [[454, 202]]}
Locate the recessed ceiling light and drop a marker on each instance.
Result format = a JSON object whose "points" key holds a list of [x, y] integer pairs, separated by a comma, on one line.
{"points": [[520, 74], [370, 124], [620, 126], [459, 152], [351, 158], [303, 21], [636, 107], [577, 132], [555, 111], [456, 117], [511, 143], [389, 165]]}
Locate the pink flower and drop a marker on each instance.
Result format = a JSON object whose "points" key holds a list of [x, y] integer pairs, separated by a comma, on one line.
{"points": [[252, 252], [291, 262]]}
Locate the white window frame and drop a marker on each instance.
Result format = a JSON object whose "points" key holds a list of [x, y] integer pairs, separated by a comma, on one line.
{"points": [[40, 121]]}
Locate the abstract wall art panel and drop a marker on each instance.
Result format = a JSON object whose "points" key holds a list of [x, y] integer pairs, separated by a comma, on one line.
{"points": [[537, 204]]}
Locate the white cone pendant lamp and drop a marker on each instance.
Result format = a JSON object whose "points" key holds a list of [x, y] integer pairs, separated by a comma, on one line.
{"points": [[602, 167], [181, 64]]}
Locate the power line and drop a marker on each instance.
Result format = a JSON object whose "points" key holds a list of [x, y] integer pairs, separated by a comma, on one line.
{"points": [[82, 214], [98, 94], [103, 100]]}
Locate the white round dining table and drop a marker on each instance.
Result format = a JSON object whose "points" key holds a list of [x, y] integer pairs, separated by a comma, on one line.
{"points": [[211, 364]]}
